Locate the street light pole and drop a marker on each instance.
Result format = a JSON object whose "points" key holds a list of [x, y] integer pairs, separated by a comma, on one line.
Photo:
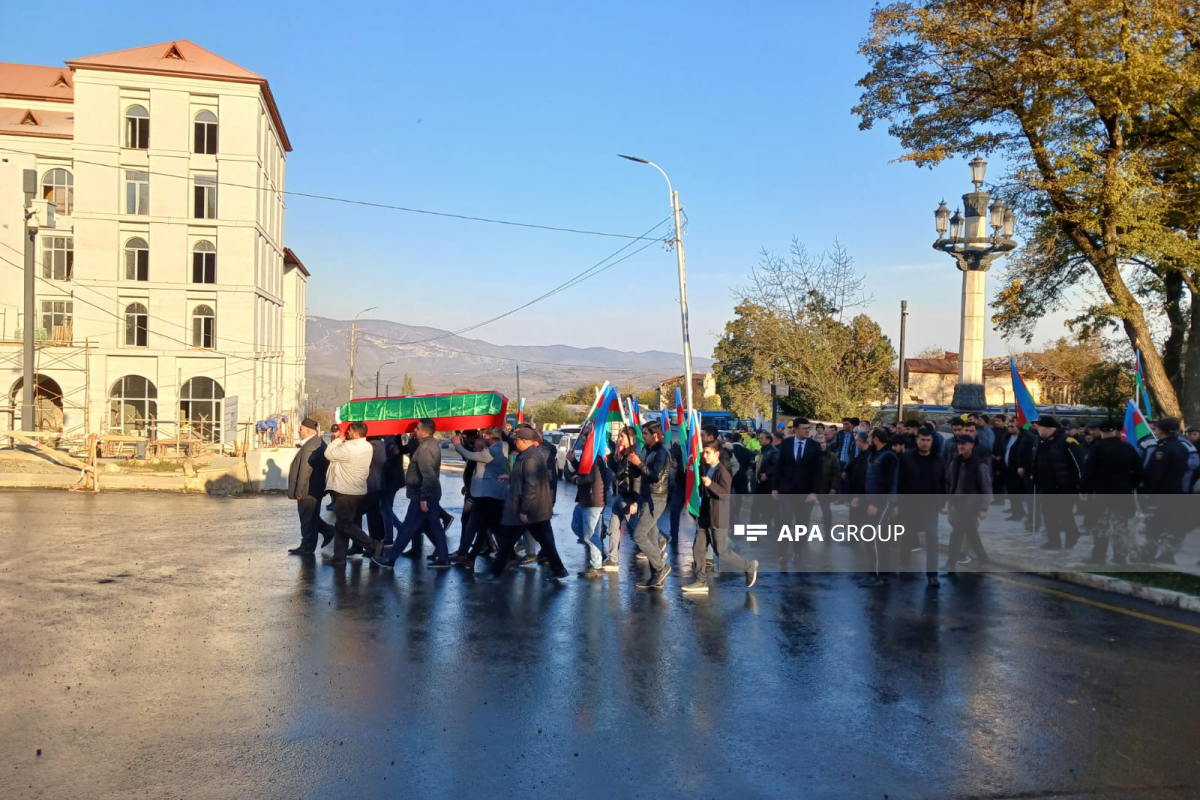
{"points": [[29, 384], [973, 251], [682, 266], [381, 366], [354, 346], [900, 372]]}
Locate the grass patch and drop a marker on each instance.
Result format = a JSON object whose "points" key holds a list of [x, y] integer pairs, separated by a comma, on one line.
{"points": [[1164, 579], [161, 465]]}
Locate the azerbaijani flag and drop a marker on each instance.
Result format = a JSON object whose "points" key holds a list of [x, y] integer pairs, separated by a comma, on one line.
{"points": [[521, 411], [1140, 378], [635, 419], [693, 464], [1026, 411], [666, 423], [679, 421], [1136, 429], [606, 412]]}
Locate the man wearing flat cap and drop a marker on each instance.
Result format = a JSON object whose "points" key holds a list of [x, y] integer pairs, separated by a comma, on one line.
{"points": [[306, 485], [1057, 467], [1111, 473]]}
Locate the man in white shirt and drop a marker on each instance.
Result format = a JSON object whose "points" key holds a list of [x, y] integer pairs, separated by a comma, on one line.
{"points": [[349, 466]]}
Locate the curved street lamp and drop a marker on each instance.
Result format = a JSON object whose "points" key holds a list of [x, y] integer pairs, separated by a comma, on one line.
{"points": [[682, 265]]}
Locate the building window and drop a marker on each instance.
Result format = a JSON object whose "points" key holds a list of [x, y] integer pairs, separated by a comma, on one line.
{"points": [[58, 186], [204, 263], [132, 406], [58, 258], [137, 260], [137, 192], [200, 408], [205, 197], [204, 327], [206, 133], [136, 325], [137, 128], [57, 317]]}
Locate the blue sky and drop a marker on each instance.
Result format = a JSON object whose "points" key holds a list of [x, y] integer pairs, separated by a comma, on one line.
{"points": [[517, 110]]}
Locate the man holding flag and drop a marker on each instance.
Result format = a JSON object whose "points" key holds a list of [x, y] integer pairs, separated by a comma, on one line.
{"points": [[654, 467]]}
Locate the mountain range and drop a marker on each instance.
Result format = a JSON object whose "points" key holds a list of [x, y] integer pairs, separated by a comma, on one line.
{"points": [[439, 361]]}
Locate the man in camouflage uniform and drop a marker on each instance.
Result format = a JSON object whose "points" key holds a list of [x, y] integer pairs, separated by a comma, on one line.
{"points": [[1112, 470]]}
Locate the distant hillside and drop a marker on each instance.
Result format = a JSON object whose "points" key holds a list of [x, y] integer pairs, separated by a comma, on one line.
{"points": [[454, 362]]}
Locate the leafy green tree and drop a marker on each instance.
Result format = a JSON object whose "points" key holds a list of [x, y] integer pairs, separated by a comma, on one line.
{"points": [[553, 412], [407, 387], [1094, 103], [1108, 385], [790, 323]]}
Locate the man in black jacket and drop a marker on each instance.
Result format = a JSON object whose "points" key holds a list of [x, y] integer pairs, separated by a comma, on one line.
{"points": [[423, 488], [968, 495], [1056, 472], [654, 466], [306, 485], [1017, 458], [1169, 464], [1112, 471], [528, 508], [590, 499], [798, 470], [712, 523], [921, 486], [882, 480]]}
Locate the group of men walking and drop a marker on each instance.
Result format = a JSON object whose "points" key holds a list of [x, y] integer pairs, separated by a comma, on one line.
{"points": [[908, 474]]}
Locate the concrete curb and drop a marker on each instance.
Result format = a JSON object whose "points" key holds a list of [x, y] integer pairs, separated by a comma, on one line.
{"points": [[1162, 597]]}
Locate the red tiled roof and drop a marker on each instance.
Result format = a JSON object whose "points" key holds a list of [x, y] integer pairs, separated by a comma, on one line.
{"points": [[182, 57], [26, 122], [30, 82], [289, 259]]}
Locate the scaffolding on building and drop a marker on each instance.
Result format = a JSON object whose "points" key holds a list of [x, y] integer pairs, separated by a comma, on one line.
{"points": [[57, 355]]}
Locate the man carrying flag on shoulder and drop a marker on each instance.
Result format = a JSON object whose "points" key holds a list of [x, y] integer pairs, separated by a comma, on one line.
{"points": [[654, 468]]}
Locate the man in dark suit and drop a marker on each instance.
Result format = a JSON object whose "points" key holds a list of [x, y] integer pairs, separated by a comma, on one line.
{"points": [[306, 485], [798, 470]]}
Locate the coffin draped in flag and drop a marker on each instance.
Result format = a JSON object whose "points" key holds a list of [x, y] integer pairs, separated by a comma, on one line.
{"points": [[455, 411]]}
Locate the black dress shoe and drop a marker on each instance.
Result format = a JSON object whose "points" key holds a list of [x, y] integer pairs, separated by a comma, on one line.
{"points": [[411, 553], [355, 550], [326, 539], [299, 551]]}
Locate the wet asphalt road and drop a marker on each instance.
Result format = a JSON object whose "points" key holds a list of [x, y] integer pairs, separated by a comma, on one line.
{"points": [[166, 646]]}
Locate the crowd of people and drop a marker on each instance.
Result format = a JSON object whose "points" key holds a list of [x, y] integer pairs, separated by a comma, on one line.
{"points": [[909, 473]]}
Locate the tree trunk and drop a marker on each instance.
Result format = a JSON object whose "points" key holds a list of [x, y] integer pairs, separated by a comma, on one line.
{"points": [[1191, 366], [1173, 348]]}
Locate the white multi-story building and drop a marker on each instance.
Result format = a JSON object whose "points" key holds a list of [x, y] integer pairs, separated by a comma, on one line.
{"points": [[165, 288]]}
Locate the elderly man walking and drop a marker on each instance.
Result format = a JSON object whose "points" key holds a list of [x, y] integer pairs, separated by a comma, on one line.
{"points": [[349, 466], [306, 485]]}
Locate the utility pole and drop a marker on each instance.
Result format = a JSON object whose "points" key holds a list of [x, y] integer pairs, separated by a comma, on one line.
{"points": [[682, 264], [354, 346], [29, 384], [381, 366], [900, 372], [518, 382]]}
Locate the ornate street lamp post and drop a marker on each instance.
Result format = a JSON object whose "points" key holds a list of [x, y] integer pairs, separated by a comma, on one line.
{"points": [[973, 250]]}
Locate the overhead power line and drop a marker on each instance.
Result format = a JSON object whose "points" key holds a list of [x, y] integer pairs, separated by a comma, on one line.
{"points": [[352, 201]]}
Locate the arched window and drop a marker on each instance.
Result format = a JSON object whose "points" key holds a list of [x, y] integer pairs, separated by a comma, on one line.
{"points": [[58, 186], [137, 260], [132, 406], [204, 263], [137, 322], [204, 327], [205, 139], [137, 128], [200, 408]]}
